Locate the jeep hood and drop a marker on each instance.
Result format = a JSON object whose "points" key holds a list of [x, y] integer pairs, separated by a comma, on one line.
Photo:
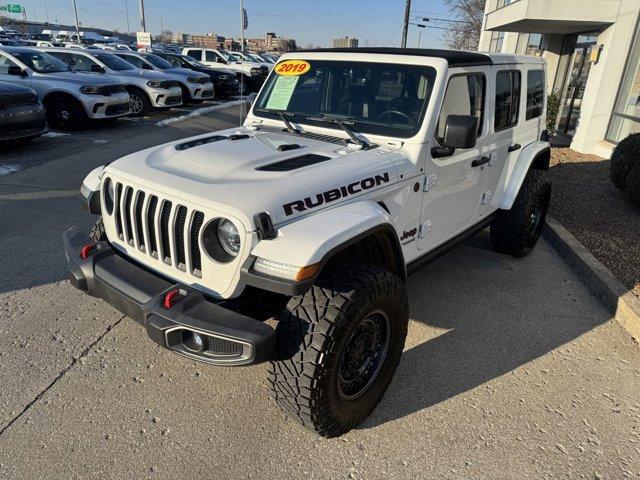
{"points": [[239, 176]]}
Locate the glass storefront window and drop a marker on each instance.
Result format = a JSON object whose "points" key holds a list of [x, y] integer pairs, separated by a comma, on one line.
{"points": [[495, 44], [529, 44], [626, 114]]}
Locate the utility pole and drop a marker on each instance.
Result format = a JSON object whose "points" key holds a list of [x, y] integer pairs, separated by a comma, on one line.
{"points": [[143, 24], [126, 9], [242, 26], [405, 30], [46, 10], [75, 12]]}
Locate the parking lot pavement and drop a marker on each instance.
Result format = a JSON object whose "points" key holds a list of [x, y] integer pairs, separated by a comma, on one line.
{"points": [[511, 370]]}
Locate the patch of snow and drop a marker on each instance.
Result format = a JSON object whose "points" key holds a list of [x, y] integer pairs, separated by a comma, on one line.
{"points": [[7, 169], [198, 113], [55, 134], [100, 141]]}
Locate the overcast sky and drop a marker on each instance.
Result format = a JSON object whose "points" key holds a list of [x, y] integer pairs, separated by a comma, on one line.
{"points": [[316, 22]]}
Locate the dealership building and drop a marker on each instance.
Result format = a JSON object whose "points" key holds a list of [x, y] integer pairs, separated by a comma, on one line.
{"points": [[592, 50]]}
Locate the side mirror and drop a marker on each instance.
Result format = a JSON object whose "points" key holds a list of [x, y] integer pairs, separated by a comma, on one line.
{"points": [[460, 131], [95, 68], [17, 71]]}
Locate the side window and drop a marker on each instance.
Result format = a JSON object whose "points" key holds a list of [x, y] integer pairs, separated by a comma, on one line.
{"points": [[464, 96], [535, 93], [210, 56], [83, 64], [174, 61], [195, 54], [5, 63], [507, 99], [62, 56], [133, 60]]}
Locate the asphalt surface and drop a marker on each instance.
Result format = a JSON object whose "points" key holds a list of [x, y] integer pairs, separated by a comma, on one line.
{"points": [[511, 370]]}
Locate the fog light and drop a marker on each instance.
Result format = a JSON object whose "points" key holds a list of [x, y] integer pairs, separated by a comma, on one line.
{"points": [[193, 341]]}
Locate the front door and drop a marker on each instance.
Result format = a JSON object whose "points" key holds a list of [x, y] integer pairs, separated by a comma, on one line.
{"points": [[576, 82], [454, 184]]}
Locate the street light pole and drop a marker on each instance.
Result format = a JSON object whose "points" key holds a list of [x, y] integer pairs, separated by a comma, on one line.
{"points": [[405, 30], [46, 10], [143, 24], [126, 9], [242, 26], [75, 12]]}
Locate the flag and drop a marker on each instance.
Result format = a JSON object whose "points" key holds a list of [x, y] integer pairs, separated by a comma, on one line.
{"points": [[245, 19]]}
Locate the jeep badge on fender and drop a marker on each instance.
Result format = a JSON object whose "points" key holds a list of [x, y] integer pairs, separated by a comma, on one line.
{"points": [[354, 168]]}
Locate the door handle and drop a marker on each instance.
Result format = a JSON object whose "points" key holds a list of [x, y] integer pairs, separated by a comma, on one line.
{"points": [[514, 147], [480, 161]]}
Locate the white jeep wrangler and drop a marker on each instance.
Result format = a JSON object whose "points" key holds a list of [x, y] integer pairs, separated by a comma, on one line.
{"points": [[353, 169]]}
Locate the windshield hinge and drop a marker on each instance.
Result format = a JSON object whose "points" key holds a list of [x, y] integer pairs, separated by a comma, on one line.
{"points": [[429, 182]]}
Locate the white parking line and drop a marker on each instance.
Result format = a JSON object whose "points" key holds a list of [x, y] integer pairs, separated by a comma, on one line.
{"points": [[198, 112]]}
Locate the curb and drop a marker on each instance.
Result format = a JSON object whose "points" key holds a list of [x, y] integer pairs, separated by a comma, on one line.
{"points": [[623, 305]]}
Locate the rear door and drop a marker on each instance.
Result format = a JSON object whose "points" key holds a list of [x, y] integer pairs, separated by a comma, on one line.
{"points": [[454, 184], [194, 53]]}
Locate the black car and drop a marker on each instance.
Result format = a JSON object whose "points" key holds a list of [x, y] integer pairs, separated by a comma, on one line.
{"points": [[22, 116], [225, 82]]}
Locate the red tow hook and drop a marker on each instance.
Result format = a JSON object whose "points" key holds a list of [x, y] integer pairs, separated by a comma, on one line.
{"points": [[171, 298], [87, 250]]}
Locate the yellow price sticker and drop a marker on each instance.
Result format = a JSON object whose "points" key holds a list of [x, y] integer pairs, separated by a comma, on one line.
{"points": [[292, 67]]}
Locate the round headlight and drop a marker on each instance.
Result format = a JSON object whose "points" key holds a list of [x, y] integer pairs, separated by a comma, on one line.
{"points": [[109, 195], [229, 237]]}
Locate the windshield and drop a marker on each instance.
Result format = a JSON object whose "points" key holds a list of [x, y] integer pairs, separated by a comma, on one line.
{"points": [[158, 62], [255, 57], [378, 98], [228, 56], [113, 62], [42, 62]]}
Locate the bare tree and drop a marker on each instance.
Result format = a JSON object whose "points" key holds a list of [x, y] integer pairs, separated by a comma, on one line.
{"points": [[466, 34]]}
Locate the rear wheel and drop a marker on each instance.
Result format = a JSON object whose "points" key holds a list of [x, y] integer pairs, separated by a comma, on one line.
{"points": [[65, 113], [138, 103], [338, 346], [516, 231]]}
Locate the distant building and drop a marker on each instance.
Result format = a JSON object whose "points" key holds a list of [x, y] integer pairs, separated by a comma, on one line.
{"points": [[208, 40], [181, 38], [271, 43], [344, 42]]}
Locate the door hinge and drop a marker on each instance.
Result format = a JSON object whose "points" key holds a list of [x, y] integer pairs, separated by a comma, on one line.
{"points": [[485, 197], [424, 228], [429, 182]]}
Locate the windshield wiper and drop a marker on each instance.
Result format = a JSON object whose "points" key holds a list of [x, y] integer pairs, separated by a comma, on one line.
{"points": [[343, 122], [283, 116]]}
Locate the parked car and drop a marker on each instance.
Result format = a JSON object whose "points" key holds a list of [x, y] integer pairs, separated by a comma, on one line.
{"points": [[69, 98], [22, 116], [251, 75], [147, 89], [360, 167], [224, 81], [250, 57], [195, 87]]}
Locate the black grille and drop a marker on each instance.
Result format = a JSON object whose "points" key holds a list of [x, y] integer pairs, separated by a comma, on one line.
{"points": [[294, 163], [164, 230], [151, 225], [219, 346], [139, 231], [117, 109], [169, 84], [111, 89], [198, 220], [117, 213], [127, 218], [181, 218], [17, 99]]}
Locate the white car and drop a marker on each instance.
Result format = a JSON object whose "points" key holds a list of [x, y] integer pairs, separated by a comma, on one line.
{"points": [[354, 168], [147, 89], [251, 75], [196, 87], [70, 98], [250, 57]]}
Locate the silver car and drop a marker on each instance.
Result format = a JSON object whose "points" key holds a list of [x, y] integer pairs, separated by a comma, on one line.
{"points": [[147, 89], [196, 87], [70, 98]]}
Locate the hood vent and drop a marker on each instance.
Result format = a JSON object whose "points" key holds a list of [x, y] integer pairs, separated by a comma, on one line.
{"points": [[294, 163], [199, 141]]}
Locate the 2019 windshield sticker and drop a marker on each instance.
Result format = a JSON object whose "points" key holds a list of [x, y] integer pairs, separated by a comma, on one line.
{"points": [[335, 194], [292, 67]]}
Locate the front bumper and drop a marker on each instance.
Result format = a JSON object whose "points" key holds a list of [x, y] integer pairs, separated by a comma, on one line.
{"points": [[165, 97], [231, 339], [106, 106], [22, 122], [200, 91]]}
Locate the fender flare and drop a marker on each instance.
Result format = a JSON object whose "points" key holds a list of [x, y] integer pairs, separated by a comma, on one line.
{"points": [[308, 241], [90, 190], [525, 160]]}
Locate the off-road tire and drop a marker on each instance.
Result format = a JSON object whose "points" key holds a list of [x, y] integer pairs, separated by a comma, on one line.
{"points": [[66, 113], [312, 335], [139, 103], [516, 231], [97, 233]]}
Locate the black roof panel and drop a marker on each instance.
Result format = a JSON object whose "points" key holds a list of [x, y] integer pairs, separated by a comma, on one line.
{"points": [[456, 58]]}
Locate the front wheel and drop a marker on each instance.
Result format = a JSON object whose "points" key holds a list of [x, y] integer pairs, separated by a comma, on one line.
{"points": [[66, 113], [139, 104], [338, 346], [516, 231]]}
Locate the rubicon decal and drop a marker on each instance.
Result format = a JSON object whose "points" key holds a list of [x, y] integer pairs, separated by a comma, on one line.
{"points": [[335, 194]]}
